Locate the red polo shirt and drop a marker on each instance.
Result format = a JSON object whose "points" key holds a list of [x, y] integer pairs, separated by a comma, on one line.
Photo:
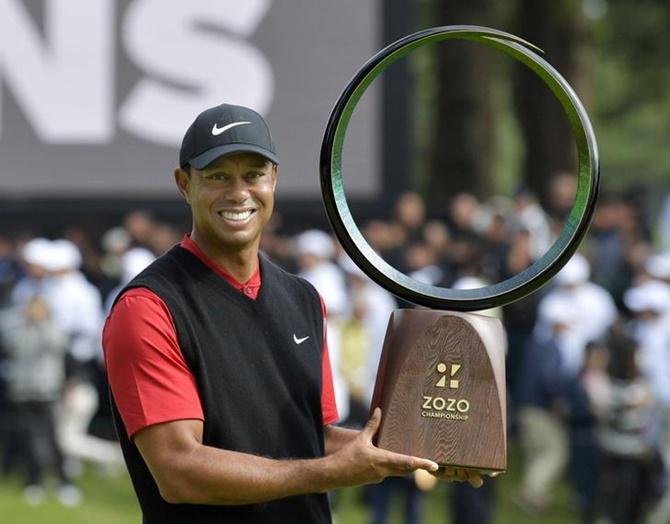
{"points": [[147, 373]]}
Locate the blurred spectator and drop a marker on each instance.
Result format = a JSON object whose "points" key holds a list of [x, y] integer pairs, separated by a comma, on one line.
{"points": [[89, 254], [608, 247], [495, 248], [388, 241], [472, 505], [375, 307], [76, 306], [9, 269], [465, 219], [36, 346], [355, 341], [421, 264], [533, 219], [75, 303], [410, 215], [594, 310], [35, 256], [561, 196], [163, 237], [542, 400], [383, 493], [314, 250], [115, 242], [276, 245], [589, 398], [650, 304], [132, 262], [520, 317], [140, 226], [437, 237], [657, 267], [631, 465]]}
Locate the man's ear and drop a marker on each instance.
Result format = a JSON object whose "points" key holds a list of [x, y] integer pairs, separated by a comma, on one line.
{"points": [[182, 178], [275, 172]]}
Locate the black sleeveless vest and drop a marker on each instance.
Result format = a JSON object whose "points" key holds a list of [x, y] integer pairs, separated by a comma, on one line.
{"points": [[260, 391]]}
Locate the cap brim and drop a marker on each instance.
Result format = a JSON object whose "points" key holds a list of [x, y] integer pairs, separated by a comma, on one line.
{"points": [[206, 158]]}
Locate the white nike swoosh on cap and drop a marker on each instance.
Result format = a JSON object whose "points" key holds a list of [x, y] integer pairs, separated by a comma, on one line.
{"points": [[299, 340], [216, 131]]}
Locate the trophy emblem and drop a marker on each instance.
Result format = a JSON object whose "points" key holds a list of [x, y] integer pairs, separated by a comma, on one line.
{"points": [[441, 377]]}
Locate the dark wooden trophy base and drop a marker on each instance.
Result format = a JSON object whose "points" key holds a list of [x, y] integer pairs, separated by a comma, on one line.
{"points": [[441, 388]]}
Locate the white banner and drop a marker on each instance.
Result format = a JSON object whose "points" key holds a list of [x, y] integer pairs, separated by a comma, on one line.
{"points": [[96, 94]]}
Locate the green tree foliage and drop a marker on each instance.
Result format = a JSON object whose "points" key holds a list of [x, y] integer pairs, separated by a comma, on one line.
{"points": [[616, 53], [631, 93]]}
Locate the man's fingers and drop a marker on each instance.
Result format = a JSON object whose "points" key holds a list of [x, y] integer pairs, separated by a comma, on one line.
{"points": [[406, 463], [461, 475], [373, 424], [474, 478]]}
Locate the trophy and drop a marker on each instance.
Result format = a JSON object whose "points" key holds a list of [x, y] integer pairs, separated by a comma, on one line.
{"points": [[441, 376]]}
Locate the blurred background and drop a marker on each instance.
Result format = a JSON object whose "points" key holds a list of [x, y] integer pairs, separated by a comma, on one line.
{"points": [[459, 168]]}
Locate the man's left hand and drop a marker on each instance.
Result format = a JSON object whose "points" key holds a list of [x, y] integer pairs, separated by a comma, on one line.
{"points": [[460, 475]]}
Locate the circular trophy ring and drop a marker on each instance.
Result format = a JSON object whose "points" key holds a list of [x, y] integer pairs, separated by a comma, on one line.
{"points": [[400, 284]]}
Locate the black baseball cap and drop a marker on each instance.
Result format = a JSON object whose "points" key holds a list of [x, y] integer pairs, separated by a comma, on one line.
{"points": [[222, 130]]}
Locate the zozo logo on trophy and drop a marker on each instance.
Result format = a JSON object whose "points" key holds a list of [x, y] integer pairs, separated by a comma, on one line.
{"points": [[441, 407]]}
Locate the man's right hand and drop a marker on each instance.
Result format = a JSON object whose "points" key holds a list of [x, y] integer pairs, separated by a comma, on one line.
{"points": [[361, 462]]}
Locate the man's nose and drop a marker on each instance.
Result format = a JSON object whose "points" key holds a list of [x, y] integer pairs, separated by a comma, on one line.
{"points": [[238, 190]]}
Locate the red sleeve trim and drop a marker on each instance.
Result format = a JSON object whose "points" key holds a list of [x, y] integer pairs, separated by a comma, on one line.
{"points": [[328, 403], [148, 375]]}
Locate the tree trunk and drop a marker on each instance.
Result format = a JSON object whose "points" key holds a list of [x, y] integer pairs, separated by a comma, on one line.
{"points": [[559, 28], [463, 142]]}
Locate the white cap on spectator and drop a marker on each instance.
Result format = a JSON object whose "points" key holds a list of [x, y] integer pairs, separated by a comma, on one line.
{"points": [[134, 261], [576, 271], [649, 296], [37, 251], [557, 311], [116, 239], [315, 242], [658, 266], [65, 255]]}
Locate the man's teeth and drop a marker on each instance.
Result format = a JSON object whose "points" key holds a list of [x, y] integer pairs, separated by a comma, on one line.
{"points": [[236, 215]]}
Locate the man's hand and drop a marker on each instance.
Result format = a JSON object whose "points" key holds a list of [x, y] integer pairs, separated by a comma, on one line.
{"points": [[360, 462], [460, 475]]}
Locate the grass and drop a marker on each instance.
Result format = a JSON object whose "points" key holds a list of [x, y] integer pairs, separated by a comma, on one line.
{"points": [[110, 500], [107, 500]]}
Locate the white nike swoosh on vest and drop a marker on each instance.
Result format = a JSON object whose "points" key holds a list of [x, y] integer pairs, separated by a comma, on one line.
{"points": [[299, 340], [216, 131]]}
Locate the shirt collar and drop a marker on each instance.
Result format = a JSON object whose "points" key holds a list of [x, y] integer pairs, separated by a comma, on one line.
{"points": [[250, 288]]}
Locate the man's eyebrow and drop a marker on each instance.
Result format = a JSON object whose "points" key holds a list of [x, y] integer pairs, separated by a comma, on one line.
{"points": [[259, 163], [253, 164]]}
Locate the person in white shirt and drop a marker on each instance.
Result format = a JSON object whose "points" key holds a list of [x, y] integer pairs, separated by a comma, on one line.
{"points": [[594, 309], [315, 250], [77, 308]]}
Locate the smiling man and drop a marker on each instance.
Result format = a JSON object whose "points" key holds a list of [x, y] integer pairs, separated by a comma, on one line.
{"points": [[217, 362]]}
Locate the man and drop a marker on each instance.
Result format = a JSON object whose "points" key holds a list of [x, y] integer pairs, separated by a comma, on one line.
{"points": [[218, 369]]}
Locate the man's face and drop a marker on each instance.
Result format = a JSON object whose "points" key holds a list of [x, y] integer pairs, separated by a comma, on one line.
{"points": [[231, 200]]}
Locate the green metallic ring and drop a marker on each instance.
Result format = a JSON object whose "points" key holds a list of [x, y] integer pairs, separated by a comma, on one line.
{"points": [[398, 283]]}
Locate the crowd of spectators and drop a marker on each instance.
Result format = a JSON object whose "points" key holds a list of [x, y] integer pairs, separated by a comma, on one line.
{"points": [[588, 358]]}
